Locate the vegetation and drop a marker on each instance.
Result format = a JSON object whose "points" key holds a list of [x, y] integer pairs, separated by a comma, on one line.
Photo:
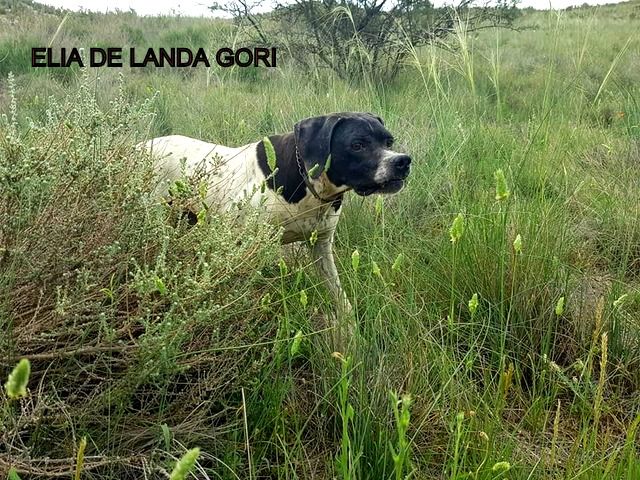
{"points": [[356, 38], [497, 295]]}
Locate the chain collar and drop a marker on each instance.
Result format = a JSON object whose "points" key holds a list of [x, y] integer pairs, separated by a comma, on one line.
{"points": [[307, 180]]}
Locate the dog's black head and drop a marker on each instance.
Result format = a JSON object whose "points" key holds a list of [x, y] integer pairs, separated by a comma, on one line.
{"points": [[354, 150]]}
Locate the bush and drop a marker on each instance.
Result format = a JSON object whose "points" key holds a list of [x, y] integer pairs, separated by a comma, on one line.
{"points": [[136, 325], [362, 39]]}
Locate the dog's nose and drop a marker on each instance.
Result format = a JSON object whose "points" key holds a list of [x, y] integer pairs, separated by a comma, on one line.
{"points": [[402, 161]]}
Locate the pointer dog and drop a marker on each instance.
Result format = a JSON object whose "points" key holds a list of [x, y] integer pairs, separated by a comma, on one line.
{"points": [[318, 162]]}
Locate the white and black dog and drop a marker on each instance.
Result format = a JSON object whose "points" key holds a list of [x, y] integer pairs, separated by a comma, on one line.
{"points": [[318, 162]]}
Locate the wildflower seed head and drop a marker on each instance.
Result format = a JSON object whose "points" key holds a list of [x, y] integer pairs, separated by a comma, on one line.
{"points": [[295, 345], [473, 304], [405, 412], [457, 228], [375, 269], [560, 306], [502, 191], [303, 298], [185, 465], [355, 259], [397, 262], [270, 152], [283, 267], [501, 467], [517, 244], [313, 170], [16, 386]]}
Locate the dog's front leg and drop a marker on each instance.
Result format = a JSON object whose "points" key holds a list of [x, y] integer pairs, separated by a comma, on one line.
{"points": [[325, 264], [323, 258]]}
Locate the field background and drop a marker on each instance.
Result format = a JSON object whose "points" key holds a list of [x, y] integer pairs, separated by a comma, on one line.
{"points": [[148, 338]]}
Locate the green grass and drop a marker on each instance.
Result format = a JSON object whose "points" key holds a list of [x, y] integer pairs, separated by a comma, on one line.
{"points": [[150, 338]]}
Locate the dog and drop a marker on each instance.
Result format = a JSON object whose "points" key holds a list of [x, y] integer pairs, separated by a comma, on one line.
{"points": [[315, 165]]}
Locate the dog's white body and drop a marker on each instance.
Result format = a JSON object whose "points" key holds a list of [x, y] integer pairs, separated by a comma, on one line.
{"points": [[230, 172], [233, 175]]}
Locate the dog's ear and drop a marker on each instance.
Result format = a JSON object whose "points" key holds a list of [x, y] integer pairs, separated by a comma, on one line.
{"points": [[313, 138], [377, 118]]}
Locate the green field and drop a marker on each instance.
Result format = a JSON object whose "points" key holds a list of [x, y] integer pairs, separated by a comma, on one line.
{"points": [[147, 337]]}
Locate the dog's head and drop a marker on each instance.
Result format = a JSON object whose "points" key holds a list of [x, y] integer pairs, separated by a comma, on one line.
{"points": [[353, 150]]}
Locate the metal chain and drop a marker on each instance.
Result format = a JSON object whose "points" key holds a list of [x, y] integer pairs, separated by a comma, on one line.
{"points": [[305, 177]]}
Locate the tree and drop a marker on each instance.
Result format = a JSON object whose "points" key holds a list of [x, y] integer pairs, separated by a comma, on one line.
{"points": [[357, 38]]}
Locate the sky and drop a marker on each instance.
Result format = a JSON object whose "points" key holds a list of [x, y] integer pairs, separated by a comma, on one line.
{"points": [[198, 8]]}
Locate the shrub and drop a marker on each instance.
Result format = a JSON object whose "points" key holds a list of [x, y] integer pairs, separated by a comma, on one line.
{"points": [[135, 324], [362, 39]]}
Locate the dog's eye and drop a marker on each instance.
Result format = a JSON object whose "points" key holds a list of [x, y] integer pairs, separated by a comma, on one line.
{"points": [[357, 146], [389, 142]]}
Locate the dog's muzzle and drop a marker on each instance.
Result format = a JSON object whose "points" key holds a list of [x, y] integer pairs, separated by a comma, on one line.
{"points": [[394, 174]]}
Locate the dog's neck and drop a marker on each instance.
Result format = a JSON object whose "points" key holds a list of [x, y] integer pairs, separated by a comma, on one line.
{"points": [[322, 188], [326, 189], [292, 177]]}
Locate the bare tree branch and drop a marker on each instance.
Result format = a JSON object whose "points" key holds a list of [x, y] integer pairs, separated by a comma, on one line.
{"points": [[357, 38]]}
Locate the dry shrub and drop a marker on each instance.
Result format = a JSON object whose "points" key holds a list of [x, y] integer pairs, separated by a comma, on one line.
{"points": [[138, 327]]}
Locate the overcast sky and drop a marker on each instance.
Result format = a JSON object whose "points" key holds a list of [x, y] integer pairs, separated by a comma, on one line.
{"points": [[198, 8]]}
